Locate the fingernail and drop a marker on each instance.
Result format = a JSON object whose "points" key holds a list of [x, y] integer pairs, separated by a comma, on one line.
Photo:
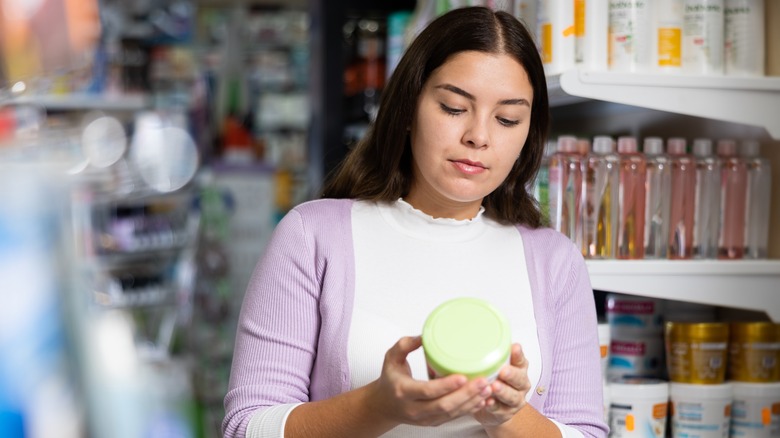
{"points": [[485, 391]]}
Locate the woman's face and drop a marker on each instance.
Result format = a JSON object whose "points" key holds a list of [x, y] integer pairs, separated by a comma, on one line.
{"points": [[472, 120]]}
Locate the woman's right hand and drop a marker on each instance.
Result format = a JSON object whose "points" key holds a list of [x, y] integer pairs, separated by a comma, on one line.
{"points": [[424, 402]]}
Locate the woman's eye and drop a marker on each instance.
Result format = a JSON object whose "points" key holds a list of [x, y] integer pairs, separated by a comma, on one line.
{"points": [[451, 111], [508, 122]]}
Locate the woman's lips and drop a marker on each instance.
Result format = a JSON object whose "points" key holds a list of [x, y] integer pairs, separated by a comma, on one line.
{"points": [[469, 167]]}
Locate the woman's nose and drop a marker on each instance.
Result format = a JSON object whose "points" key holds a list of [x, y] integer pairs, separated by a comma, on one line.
{"points": [[476, 134]]}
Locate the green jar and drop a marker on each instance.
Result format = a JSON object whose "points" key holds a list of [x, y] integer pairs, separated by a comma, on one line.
{"points": [[466, 336]]}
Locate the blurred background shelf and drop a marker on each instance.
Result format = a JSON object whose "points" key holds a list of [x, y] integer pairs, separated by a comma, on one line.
{"points": [[83, 101]]}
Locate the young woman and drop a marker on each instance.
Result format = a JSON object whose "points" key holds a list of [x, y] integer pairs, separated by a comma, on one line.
{"points": [[431, 205]]}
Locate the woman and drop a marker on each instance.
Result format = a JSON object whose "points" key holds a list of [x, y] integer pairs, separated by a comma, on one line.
{"points": [[431, 205]]}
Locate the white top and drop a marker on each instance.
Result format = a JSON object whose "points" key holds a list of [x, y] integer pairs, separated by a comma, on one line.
{"points": [[406, 264]]}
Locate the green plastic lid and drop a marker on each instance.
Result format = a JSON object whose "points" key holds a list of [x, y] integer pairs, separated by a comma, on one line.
{"points": [[466, 336]]}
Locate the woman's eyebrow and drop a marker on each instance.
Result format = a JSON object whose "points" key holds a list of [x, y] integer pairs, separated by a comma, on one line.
{"points": [[469, 96], [457, 90]]}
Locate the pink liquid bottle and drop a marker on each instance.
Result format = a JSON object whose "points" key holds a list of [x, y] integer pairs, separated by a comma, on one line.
{"points": [[657, 188], [731, 240], [631, 220], [759, 188], [566, 188], [600, 198], [682, 199], [706, 216]]}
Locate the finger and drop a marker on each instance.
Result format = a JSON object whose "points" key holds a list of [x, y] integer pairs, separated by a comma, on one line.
{"points": [[517, 357], [400, 350], [504, 394], [516, 373], [477, 401], [433, 389], [466, 400]]}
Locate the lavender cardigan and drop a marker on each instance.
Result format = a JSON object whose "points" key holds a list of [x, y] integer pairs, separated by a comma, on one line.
{"points": [[291, 344]]}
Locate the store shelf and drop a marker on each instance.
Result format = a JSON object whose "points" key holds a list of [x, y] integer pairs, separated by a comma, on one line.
{"points": [[742, 284], [72, 102], [750, 101]]}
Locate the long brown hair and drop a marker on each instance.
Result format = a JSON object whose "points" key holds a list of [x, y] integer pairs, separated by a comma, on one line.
{"points": [[379, 168]]}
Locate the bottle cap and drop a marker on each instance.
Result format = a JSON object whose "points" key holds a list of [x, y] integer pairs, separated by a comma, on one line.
{"points": [[627, 145], [567, 143], [727, 148], [676, 146], [702, 147], [653, 146], [750, 148], [466, 336], [603, 144]]}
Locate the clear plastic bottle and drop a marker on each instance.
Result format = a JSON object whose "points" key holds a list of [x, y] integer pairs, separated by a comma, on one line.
{"points": [[731, 240], [541, 186], [657, 188], [600, 197], [706, 217], [682, 199], [631, 226], [759, 188], [566, 188]]}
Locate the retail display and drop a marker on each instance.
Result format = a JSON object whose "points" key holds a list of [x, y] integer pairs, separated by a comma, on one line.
{"points": [[652, 189], [153, 254]]}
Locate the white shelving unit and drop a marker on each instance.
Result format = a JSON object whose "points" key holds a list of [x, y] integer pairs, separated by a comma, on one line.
{"points": [[740, 284], [751, 101]]}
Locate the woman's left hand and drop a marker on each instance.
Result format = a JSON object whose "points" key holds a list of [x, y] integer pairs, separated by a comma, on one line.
{"points": [[509, 391]]}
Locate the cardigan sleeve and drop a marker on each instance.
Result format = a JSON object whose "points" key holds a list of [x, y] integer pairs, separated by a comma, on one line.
{"points": [[277, 332], [575, 392]]}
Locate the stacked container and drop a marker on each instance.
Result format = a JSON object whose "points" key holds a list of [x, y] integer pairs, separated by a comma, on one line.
{"points": [[696, 354], [754, 370], [636, 333]]}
